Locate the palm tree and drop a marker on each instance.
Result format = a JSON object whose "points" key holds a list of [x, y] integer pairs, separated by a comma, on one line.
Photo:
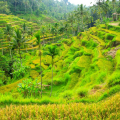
{"points": [[52, 51], [99, 3], [26, 4], [71, 20], [8, 33], [24, 28], [39, 43], [114, 7], [18, 40], [61, 30], [43, 31], [30, 31], [49, 30], [66, 26], [1, 37], [81, 12], [53, 32]]}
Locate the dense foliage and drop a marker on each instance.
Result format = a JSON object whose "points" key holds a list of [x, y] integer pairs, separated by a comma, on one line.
{"points": [[65, 61], [49, 7]]}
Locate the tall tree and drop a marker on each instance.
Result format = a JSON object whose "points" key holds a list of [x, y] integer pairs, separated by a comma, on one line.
{"points": [[43, 31], [8, 33], [18, 41], [71, 20], [114, 7], [99, 3], [1, 40], [39, 44], [52, 51], [4, 8], [53, 32]]}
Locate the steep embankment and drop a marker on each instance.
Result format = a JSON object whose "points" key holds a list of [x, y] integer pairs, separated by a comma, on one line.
{"points": [[31, 28], [86, 68]]}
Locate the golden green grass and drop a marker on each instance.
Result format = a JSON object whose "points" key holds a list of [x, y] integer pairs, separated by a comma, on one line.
{"points": [[104, 110]]}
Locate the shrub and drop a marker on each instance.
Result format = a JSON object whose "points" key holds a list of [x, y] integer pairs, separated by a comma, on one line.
{"points": [[114, 28], [97, 23], [67, 94], [76, 69], [28, 88], [114, 79], [74, 80], [112, 91], [66, 77], [1, 82], [101, 35], [105, 95], [20, 73], [3, 78], [46, 101], [15, 95], [73, 50], [78, 54], [89, 44], [3, 22], [84, 42], [82, 92], [101, 77], [68, 41], [79, 35], [109, 36], [58, 81]]}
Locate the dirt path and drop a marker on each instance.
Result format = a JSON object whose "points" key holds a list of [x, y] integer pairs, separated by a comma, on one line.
{"points": [[114, 24], [113, 52]]}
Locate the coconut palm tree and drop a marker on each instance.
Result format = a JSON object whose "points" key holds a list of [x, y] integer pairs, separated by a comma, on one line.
{"points": [[43, 31], [18, 41], [24, 28], [52, 51], [8, 33], [71, 20], [39, 44], [99, 3], [53, 32], [106, 7], [114, 7], [1, 37]]}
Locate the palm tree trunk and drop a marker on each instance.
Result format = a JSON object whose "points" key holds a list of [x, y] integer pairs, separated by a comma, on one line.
{"points": [[25, 7], [43, 39], [20, 57], [26, 50], [72, 30], [2, 47], [52, 77], [2, 51], [10, 52], [53, 37], [15, 5], [40, 70]]}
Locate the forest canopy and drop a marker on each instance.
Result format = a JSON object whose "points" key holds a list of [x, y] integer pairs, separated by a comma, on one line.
{"points": [[50, 7]]}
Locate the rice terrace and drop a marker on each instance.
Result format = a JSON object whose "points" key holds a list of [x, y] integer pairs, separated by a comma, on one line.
{"points": [[59, 60]]}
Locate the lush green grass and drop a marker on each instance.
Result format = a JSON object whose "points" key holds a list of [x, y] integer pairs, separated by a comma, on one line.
{"points": [[82, 72]]}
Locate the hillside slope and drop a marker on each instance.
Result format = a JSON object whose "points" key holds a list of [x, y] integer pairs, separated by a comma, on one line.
{"points": [[86, 69], [31, 28]]}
